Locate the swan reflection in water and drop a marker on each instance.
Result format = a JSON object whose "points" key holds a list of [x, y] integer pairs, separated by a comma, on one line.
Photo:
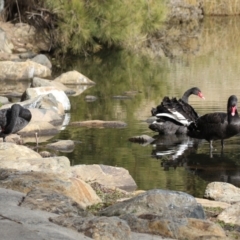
{"points": [[173, 150], [193, 155]]}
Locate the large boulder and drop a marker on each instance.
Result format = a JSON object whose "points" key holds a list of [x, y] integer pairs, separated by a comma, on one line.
{"points": [[52, 164], [165, 203], [59, 95], [10, 152], [26, 181], [22, 223], [167, 213], [23, 70], [222, 191]]}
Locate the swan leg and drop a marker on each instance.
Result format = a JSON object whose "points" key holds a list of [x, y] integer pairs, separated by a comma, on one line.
{"points": [[210, 144]]}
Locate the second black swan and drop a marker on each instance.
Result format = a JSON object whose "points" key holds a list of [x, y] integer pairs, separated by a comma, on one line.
{"points": [[169, 109], [13, 120], [217, 125]]}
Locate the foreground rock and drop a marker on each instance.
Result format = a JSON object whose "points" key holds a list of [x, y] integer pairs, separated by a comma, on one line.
{"points": [[167, 213], [18, 222], [24, 182], [10, 152]]}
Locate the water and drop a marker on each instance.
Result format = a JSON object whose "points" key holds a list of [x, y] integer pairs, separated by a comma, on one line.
{"points": [[175, 163]]}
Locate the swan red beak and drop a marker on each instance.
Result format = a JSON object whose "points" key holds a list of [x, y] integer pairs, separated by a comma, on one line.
{"points": [[201, 95], [233, 110]]}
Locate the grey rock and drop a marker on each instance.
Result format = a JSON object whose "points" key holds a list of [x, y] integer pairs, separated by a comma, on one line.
{"points": [[42, 59], [97, 228], [22, 223], [54, 202], [62, 145], [165, 203]]}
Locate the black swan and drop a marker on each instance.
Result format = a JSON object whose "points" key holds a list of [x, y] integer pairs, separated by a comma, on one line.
{"points": [[218, 125], [13, 120], [169, 109]]}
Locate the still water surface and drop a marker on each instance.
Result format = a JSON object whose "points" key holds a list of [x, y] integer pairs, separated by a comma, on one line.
{"points": [[175, 163]]}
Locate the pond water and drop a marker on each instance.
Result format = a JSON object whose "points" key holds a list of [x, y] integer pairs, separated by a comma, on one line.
{"points": [[175, 163]]}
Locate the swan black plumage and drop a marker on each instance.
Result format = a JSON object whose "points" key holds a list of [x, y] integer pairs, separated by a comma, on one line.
{"points": [[13, 120], [171, 112], [217, 125]]}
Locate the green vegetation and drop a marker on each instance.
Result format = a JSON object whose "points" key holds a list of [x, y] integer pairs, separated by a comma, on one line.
{"points": [[85, 26], [109, 196], [81, 26]]}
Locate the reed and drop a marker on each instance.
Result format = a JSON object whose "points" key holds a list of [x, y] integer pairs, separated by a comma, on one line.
{"points": [[221, 7]]}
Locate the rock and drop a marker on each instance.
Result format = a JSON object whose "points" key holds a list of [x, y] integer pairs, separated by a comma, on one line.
{"points": [[24, 182], [42, 59], [46, 102], [97, 228], [73, 77], [27, 55], [22, 70], [21, 35], [4, 100], [222, 191], [62, 145], [212, 204], [52, 164], [231, 214], [5, 46], [165, 203], [54, 202], [39, 82], [105, 175], [59, 95], [179, 228], [24, 224], [90, 98], [46, 115], [100, 124], [10, 152]]}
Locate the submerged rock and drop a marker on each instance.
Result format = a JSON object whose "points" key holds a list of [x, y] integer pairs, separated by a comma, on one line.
{"points": [[100, 124]]}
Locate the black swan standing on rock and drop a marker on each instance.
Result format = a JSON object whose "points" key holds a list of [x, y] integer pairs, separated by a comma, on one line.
{"points": [[169, 109], [13, 120], [218, 125]]}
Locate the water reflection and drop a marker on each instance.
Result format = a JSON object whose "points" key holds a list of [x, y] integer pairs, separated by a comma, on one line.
{"points": [[192, 155]]}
